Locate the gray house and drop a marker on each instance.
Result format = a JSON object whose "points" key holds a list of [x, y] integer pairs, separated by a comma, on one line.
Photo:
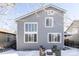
{"points": [[44, 26]]}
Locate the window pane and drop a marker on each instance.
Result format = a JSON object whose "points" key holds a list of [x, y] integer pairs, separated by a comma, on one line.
{"points": [[49, 37], [30, 37], [26, 37], [47, 22], [26, 27], [35, 27], [35, 37], [30, 27], [58, 37], [53, 38]]}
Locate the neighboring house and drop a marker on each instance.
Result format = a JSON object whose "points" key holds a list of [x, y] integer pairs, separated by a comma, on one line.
{"points": [[44, 26], [74, 31], [6, 37], [66, 35]]}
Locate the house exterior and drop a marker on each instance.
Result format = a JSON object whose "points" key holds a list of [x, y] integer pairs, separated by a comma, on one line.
{"points": [[44, 26], [73, 29], [6, 37]]}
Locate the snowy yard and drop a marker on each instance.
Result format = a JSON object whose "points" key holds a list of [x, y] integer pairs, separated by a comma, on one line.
{"points": [[69, 52]]}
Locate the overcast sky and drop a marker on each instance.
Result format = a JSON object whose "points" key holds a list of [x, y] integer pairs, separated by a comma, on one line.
{"points": [[7, 21]]}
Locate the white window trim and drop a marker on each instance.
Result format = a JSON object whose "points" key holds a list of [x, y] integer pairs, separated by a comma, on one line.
{"points": [[52, 22], [53, 33], [30, 32], [48, 12]]}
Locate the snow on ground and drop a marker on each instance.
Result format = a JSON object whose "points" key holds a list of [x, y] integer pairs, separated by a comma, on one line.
{"points": [[70, 52], [11, 52], [21, 53]]}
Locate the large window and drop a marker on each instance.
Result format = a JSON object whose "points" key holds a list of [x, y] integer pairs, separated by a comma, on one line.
{"points": [[49, 22], [54, 37], [30, 32]]}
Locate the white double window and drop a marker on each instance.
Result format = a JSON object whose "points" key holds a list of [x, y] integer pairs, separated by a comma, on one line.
{"points": [[54, 37], [49, 21], [30, 32]]}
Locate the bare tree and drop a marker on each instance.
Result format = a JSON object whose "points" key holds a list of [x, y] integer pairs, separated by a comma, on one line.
{"points": [[4, 7], [67, 21]]}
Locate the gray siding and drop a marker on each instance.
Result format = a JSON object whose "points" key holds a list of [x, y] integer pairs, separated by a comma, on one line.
{"points": [[42, 30]]}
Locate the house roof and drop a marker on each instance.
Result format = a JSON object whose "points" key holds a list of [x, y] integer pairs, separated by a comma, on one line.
{"points": [[2, 30], [75, 23], [67, 34], [58, 8]]}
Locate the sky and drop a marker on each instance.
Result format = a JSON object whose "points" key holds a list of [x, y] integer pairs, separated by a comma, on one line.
{"points": [[8, 21]]}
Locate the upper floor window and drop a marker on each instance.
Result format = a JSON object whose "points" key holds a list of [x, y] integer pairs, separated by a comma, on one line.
{"points": [[50, 12], [49, 22], [30, 27]]}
